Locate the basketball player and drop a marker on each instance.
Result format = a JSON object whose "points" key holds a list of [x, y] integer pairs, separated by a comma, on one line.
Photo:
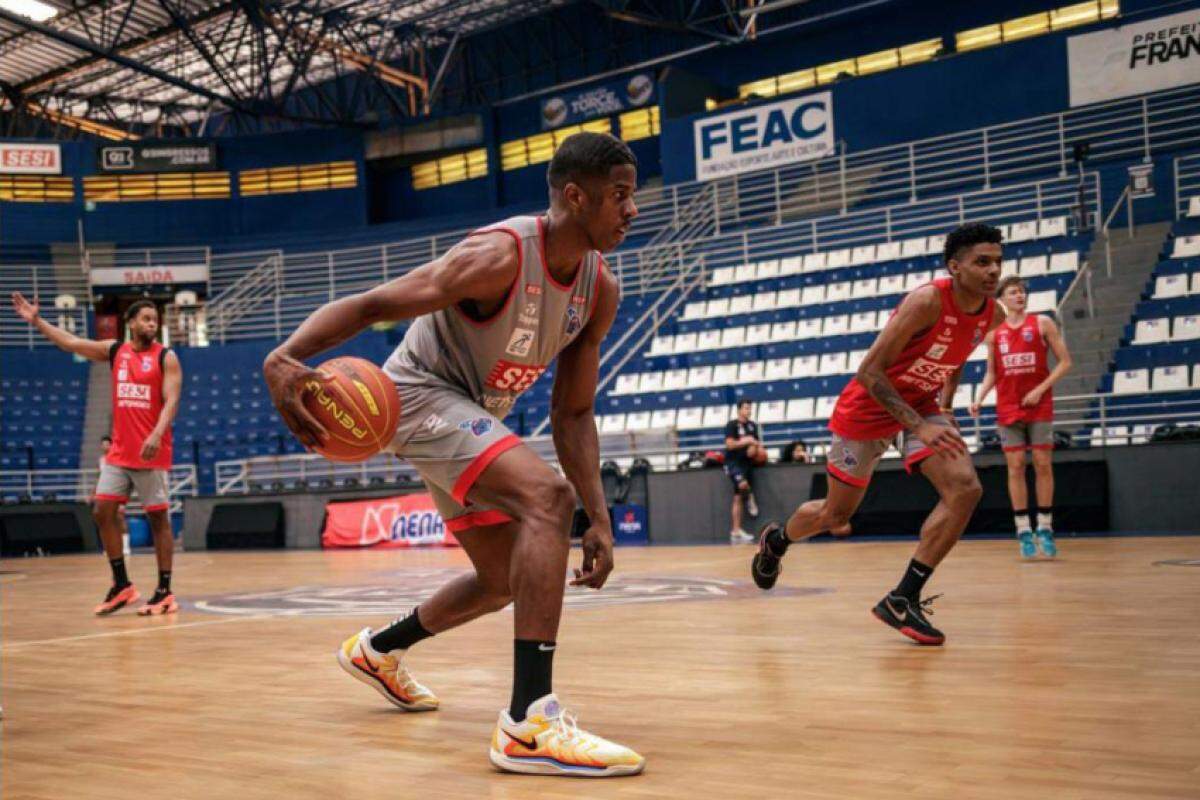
{"points": [[145, 396], [742, 451], [902, 395], [489, 317], [1019, 369], [105, 446]]}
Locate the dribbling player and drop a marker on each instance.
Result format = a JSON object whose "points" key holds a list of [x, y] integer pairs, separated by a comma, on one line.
{"points": [[146, 384], [489, 317], [1019, 369], [902, 395]]}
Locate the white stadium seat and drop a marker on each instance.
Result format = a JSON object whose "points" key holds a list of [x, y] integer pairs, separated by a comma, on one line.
{"points": [[910, 248], [838, 291], [783, 331], [836, 325], [663, 418], [722, 276], [881, 320], [824, 407], [810, 328], [791, 266], [744, 273], [1055, 226], [742, 304], [662, 345], [914, 279], [1168, 286], [767, 269], [888, 251], [863, 254], [758, 334], [686, 342], [1140, 434], [814, 262], [1030, 266], [693, 311], [717, 308], [864, 288], [1196, 376], [751, 372], [638, 421], [1195, 283], [708, 340], [854, 360], [764, 301], [832, 364], [934, 245], [1151, 331], [690, 419], [1131, 381], [801, 409], [725, 375], [1186, 246], [805, 366], [627, 383], [1185, 329], [979, 353], [716, 416], [890, 284], [813, 294], [838, 258], [699, 377], [674, 380], [1064, 262], [612, 423], [1042, 301], [1170, 379], [650, 382], [778, 369], [788, 298], [964, 395], [1194, 206], [1023, 231], [773, 411], [862, 322]]}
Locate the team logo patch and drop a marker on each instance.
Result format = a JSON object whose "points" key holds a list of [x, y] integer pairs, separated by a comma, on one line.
{"points": [[532, 288], [146, 363], [410, 587], [848, 458], [432, 424], [977, 337], [520, 342], [480, 426], [1027, 335], [122, 374], [574, 321], [936, 351], [1003, 348]]}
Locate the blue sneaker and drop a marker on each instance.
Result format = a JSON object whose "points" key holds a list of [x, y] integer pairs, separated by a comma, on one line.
{"points": [[1028, 548], [1045, 540]]}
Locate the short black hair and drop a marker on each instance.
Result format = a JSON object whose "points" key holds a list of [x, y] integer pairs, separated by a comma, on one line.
{"points": [[106, 439], [587, 155], [743, 402], [969, 235], [1008, 281], [133, 310]]}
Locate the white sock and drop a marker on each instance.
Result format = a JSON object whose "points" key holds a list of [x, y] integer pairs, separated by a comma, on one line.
{"points": [[1022, 521], [1045, 521]]}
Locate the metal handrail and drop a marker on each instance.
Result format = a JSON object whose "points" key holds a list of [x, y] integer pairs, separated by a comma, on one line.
{"points": [[77, 485], [1187, 182]]}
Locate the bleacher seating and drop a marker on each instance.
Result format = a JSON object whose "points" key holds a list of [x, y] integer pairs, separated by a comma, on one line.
{"points": [[41, 417]]}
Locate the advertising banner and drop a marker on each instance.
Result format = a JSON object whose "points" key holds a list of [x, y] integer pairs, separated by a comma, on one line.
{"points": [[1134, 59], [148, 276], [609, 98], [18, 158], [409, 520], [766, 136], [163, 157]]}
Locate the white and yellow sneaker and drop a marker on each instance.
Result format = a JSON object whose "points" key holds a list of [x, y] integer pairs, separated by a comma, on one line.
{"points": [[548, 742], [385, 673]]}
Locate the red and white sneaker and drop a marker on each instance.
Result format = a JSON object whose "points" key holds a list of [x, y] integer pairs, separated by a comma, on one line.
{"points": [[116, 599], [161, 603]]}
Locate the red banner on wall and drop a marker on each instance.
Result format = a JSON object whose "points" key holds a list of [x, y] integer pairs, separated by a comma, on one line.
{"points": [[409, 520]]}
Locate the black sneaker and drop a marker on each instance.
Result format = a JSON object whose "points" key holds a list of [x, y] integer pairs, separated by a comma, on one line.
{"points": [[765, 566], [909, 618]]}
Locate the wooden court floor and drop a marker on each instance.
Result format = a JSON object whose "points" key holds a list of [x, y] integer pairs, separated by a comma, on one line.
{"points": [[1073, 679]]}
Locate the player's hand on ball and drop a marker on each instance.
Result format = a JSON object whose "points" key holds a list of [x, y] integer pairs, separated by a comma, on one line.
{"points": [[942, 439], [25, 310], [285, 378], [597, 557]]}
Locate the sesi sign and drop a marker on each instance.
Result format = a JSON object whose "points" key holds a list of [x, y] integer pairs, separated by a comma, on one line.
{"points": [[30, 159], [765, 136]]}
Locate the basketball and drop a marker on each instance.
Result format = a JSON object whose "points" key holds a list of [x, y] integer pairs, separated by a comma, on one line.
{"points": [[760, 456], [359, 407]]}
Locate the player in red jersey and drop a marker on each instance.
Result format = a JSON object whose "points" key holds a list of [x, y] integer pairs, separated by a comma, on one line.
{"points": [[902, 395], [145, 396], [1019, 369]]}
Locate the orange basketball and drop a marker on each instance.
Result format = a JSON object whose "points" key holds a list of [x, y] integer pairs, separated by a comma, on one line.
{"points": [[359, 407], [760, 456]]}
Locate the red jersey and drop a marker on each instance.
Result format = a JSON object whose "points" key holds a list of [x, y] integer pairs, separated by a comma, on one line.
{"points": [[919, 373], [1019, 354], [137, 401]]}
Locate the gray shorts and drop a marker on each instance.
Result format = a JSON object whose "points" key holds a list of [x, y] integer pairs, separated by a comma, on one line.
{"points": [[450, 440], [151, 484], [1023, 435], [853, 461]]}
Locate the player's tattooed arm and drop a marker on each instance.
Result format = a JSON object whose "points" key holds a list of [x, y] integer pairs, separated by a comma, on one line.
{"points": [[885, 394], [918, 312]]}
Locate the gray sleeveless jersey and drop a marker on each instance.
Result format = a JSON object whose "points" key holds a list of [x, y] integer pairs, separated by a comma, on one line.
{"points": [[494, 361]]}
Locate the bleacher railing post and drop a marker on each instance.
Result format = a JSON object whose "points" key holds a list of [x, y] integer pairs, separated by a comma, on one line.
{"points": [[1146, 130], [912, 172], [1062, 148], [987, 164], [779, 200]]}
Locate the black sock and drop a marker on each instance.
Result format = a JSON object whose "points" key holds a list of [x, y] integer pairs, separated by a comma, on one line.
{"points": [[164, 581], [401, 634], [120, 576], [533, 666], [778, 541], [913, 582]]}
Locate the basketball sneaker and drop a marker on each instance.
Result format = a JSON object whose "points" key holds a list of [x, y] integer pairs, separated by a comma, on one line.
{"points": [[117, 598], [765, 566], [548, 742], [1045, 540], [161, 603], [385, 673], [1028, 548], [909, 618], [751, 504], [740, 536]]}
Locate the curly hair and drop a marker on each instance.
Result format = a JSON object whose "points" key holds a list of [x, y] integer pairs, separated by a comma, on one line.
{"points": [[969, 235], [587, 155]]}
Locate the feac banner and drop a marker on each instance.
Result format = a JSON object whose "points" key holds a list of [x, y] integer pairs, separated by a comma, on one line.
{"points": [[608, 98], [764, 136], [157, 157], [1134, 59], [19, 158], [408, 520]]}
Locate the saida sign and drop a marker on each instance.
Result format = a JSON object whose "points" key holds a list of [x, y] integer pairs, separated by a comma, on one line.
{"points": [[800, 129]]}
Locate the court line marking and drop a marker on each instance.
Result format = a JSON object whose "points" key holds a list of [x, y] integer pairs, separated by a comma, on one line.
{"points": [[134, 631]]}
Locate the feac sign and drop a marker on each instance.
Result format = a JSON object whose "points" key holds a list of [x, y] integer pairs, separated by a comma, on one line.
{"points": [[765, 136]]}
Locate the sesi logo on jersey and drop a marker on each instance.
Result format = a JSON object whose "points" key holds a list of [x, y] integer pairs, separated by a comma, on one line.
{"points": [[511, 377], [133, 391]]}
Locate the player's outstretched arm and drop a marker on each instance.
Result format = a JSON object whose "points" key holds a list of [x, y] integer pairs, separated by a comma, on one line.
{"points": [[94, 349], [920, 310], [480, 267], [989, 379], [573, 424]]}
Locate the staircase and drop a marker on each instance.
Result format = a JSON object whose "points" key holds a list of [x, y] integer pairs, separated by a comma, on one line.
{"points": [[97, 419], [1094, 339]]}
